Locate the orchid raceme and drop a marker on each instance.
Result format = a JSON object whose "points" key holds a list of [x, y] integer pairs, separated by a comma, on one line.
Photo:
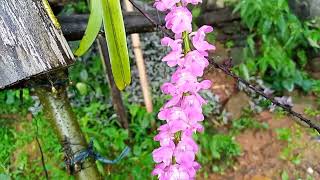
{"points": [[182, 114]]}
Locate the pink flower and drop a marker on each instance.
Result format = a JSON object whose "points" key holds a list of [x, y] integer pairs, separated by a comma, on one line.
{"points": [[179, 20], [160, 171], [165, 136], [195, 63], [163, 154], [194, 2], [185, 151], [193, 101], [198, 39], [175, 117], [194, 116], [205, 84], [183, 77], [192, 170], [173, 101], [178, 172], [176, 114], [175, 45], [163, 5], [175, 56], [168, 88]]}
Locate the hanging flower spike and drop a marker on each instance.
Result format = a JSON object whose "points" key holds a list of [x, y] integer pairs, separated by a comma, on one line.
{"points": [[179, 19], [182, 113]]}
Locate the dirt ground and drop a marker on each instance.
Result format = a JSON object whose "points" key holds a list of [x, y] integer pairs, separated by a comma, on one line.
{"points": [[262, 151], [264, 155]]}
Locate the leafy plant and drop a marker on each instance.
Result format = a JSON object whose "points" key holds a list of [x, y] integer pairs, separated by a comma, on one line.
{"points": [[284, 175], [277, 40], [217, 150], [312, 112], [109, 12], [247, 123], [284, 134]]}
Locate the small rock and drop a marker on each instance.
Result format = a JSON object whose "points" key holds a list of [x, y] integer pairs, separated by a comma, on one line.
{"points": [[310, 170], [222, 85], [236, 104], [315, 65]]}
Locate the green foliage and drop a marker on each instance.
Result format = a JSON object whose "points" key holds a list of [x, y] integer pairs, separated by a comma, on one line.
{"points": [[284, 175], [117, 44], [316, 87], [6, 147], [289, 152], [93, 28], [247, 123], [76, 6], [217, 150], [284, 134], [110, 12], [312, 112], [277, 40]]}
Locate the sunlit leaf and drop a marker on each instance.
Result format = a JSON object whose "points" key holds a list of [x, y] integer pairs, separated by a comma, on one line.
{"points": [[93, 28], [244, 71], [116, 40], [82, 88]]}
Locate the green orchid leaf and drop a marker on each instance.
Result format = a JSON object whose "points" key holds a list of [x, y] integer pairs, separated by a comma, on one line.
{"points": [[93, 28], [116, 40]]}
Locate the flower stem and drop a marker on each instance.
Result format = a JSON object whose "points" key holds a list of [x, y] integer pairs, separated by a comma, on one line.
{"points": [[185, 37], [186, 42]]}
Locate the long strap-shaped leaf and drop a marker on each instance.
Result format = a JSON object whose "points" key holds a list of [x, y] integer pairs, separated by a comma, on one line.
{"points": [[93, 27], [116, 40]]}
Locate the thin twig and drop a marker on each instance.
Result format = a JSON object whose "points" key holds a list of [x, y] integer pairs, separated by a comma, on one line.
{"points": [[40, 148], [261, 93], [237, 78]]}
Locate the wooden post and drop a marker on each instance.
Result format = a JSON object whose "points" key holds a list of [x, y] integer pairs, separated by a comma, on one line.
{"points": [[140, 64], [115, 92], [32, 44]]}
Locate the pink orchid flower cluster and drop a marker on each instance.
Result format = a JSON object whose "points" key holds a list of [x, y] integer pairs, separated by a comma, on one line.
{"points": [[175, 157]]}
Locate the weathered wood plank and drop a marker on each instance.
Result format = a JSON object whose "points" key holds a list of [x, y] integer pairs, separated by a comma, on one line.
{"points": [[30, 44]]}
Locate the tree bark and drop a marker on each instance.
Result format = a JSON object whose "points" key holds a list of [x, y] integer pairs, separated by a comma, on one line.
{"points": [[115, 92], [58, 110]]}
